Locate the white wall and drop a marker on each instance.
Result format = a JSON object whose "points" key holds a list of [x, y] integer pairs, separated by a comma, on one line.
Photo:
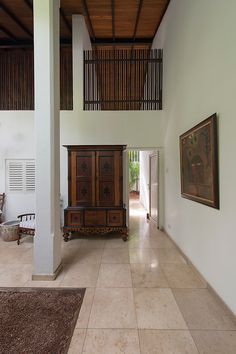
{"points": [[198, 40], [134, 128], [16, 142]]}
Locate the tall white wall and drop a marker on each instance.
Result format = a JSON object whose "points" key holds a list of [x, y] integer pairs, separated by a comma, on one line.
{"points": [[198, 40], [134, 128], [16, 142]]}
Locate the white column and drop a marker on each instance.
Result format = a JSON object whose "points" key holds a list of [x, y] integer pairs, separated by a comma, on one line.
{"points": [[47, 241], [80, 42]]}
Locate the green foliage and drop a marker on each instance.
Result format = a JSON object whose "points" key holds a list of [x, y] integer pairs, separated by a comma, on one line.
{"points": [[133, 173]]}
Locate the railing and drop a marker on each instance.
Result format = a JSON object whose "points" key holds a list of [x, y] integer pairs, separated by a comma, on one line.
{"points": [[123, 79], [134, 156]]}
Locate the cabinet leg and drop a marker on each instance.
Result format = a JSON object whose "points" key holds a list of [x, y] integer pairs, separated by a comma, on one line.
{"points": [[125, 235], [66, 236]]}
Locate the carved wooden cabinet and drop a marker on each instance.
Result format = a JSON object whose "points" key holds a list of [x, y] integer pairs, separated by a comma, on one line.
{"points": [[95, 190]]}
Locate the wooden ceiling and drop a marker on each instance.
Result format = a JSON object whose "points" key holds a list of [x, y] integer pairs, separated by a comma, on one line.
{"points": [[124, 23]]}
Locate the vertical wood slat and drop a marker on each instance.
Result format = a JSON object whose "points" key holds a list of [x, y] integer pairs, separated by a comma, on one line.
{"points": [[17, 79], [123, 79]]}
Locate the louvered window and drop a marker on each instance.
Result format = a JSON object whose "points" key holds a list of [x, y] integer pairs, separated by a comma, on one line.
{"points": [[20, 176]]}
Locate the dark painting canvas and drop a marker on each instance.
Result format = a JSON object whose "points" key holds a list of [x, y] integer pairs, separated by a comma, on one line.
{"points": [[199, 166]]}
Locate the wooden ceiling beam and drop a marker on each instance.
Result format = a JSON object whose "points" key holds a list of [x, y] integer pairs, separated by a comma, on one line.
{"points": [[8, 33], [113, 19], [137, 18], [15, 19], [163, 14], [29, 4], [65, 20], [86, 13], [121, 41], [68, 42]]}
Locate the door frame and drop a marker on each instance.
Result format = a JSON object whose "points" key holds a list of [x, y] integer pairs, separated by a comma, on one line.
{"points": [[155, 153], [160, 177]]}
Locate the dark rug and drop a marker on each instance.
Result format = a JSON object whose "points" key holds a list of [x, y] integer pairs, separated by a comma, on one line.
{"points": [[38, 320]]}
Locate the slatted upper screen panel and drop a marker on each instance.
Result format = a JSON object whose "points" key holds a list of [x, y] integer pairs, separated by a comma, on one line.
{"points": [[123, 80], [17, 79]]}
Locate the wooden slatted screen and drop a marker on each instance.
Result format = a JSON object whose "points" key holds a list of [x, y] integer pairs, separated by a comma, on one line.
{"points": [[123, 79], [17, 79]]}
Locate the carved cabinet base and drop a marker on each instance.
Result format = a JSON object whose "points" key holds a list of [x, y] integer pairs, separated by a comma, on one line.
{"points": [[95, 231]]}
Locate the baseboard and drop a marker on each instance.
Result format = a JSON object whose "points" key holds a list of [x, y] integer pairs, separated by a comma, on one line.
{"points": [[48, 277], [208, 286]]}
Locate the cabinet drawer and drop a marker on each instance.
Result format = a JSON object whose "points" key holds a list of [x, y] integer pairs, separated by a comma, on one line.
{"points": [[115, 218], [74, 218], [95, 218]]}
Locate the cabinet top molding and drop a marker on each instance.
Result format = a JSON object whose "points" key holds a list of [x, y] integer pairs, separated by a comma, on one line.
{"points": [[95, 147]]}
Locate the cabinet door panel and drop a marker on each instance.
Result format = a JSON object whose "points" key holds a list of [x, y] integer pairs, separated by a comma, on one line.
{"points": [[109, 176], [115, 218], [83, 192], [95, 218], [106, 193], [75, 218], [106, 166], [84, 166], [83, 178]]}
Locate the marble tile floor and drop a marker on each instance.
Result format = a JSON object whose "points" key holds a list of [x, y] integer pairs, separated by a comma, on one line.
{"points": [[142, 296]]}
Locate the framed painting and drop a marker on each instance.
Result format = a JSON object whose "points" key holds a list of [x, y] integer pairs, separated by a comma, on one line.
{"points": [[199, 163]]}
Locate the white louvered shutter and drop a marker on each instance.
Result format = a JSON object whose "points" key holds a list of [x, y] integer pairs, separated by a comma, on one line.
{"points": [[20, 176], [15, 176], [30, 176]]}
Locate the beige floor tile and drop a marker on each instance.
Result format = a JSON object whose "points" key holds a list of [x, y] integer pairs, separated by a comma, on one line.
{"points": [[70, 253], [77, 341], [115, 255], [85, 310], [161, 242], [182, 276], [202, 310], [88, 256], [114, 275], [83, 275], [137, 242], [15, 274], [169, 255], [17, 255], [148, 276], [113, 308], [157, 309], [115, 242], [215, 342], [74, 242], [111, 341], [142, 255], [92, 242], [166, 342]]}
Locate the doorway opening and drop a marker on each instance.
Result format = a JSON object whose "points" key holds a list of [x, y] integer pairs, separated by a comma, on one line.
{"points": [[143, 184]]}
